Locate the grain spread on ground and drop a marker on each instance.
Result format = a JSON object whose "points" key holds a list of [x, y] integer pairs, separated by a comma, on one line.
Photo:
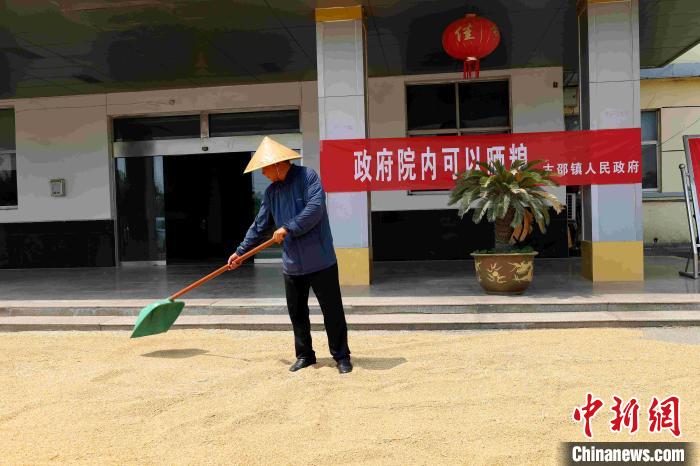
{"points": [[226, 397]]}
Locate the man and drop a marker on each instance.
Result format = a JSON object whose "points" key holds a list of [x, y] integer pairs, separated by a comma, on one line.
{"points": [[293, 210]]}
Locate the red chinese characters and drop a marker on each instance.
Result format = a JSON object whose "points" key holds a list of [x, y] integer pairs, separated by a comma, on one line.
{"points": [[627, 416], [586, 413], [663, 415], [470, 39]]}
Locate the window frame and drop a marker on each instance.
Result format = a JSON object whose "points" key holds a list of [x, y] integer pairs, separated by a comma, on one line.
{"points": [[208, 117], [12, 152], [136, 120], [656, 143], [457, 130], [16, 206]]}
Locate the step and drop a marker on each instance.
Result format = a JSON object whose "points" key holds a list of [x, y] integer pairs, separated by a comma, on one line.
{"points": [[406, 321], [369, 305]]}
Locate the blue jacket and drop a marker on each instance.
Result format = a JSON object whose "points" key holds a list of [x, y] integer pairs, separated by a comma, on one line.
{"points": [[299, 205]]}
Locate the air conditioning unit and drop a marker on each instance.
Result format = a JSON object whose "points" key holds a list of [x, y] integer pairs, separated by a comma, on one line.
{"points": [[571, 106], [571, 207]]}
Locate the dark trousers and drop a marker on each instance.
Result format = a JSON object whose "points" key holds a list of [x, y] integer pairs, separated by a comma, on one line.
{"points": [[327, 290]]}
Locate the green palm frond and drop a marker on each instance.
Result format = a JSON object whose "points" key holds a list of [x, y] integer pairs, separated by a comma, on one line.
{"points": [[491, 191]]}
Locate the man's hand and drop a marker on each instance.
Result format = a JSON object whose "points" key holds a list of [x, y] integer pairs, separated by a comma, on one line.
{"points": [[279, 234], [234, 261]]}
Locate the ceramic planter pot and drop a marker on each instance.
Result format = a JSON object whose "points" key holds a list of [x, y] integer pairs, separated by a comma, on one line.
{"points": [[509, 273]]}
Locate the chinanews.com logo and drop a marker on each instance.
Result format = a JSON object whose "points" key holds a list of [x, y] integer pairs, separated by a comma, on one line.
{"points": [[659, 416]]}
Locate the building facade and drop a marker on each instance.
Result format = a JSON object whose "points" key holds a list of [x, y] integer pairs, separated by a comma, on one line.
{"points": [[671, 108], [152, 173]]}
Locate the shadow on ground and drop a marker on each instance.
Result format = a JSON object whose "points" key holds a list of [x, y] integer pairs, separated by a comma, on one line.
{"points": [[185, 353], [370, 364]]}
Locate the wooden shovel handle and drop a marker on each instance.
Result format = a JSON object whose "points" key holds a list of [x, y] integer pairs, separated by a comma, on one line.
{"points": [[222, 269]]}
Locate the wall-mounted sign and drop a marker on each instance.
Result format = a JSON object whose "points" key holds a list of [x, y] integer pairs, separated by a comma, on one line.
{"points": [[470, 39], [689, 173], [425, 163]]}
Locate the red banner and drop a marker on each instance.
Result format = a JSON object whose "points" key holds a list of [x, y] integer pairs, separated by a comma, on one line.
{"points": [[575, 157], [693, 163]]}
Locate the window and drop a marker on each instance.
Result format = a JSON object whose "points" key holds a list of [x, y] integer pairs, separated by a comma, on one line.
{"points": [[8, 160], [156, 128], [650, 150], [431, 107], [241, 123], [484, 105], [457, 109]]}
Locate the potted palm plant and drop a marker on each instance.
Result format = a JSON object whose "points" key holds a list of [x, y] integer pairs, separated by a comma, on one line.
{"points": [[512, 199]]}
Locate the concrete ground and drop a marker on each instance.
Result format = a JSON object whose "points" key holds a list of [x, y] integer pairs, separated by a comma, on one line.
{"points": [[553, 278], [226, 397]]}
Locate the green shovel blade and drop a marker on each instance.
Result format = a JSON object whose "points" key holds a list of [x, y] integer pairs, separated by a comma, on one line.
{"points": [[157, 318]]}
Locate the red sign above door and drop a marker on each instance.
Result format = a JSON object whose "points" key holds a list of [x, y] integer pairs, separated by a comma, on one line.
{"points": [[575, 157]]}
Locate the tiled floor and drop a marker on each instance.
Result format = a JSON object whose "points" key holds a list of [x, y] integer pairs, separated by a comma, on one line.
{"points": [[553, 278]]}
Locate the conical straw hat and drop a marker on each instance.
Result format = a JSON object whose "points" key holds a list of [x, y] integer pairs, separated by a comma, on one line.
{"points": [[270, 152]]}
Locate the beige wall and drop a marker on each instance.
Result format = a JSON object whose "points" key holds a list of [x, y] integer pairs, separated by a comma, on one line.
{"points": [[667, 221], [536, 106], [678, 103], [68, 137], [63, 137], [672, 92]]}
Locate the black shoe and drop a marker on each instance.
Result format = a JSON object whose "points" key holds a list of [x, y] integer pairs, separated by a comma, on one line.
{"points": [[344, 366], [302, 363]]}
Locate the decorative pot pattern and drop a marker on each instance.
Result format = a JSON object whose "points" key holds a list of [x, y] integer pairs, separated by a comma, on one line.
{"points": [[504, 273]]}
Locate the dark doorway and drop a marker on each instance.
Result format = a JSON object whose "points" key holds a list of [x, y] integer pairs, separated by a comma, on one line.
{"points": [[140, 208], [208, 206]]}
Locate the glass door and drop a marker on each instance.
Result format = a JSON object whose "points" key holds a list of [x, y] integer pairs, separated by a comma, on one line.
{"points": [[141, 209]]}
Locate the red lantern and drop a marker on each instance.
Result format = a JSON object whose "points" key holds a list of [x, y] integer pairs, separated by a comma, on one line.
{"points": [[469, 39]]}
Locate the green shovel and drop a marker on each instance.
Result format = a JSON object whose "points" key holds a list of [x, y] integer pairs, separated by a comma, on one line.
{"points": [[158, 317]]}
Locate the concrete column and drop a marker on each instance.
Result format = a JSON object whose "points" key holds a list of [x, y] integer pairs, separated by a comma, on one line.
{"points": [[612, 248], [342, 113]]}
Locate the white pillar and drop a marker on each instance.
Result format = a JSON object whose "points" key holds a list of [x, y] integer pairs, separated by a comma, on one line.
{"points": [[612, 248], [342, 113]]}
